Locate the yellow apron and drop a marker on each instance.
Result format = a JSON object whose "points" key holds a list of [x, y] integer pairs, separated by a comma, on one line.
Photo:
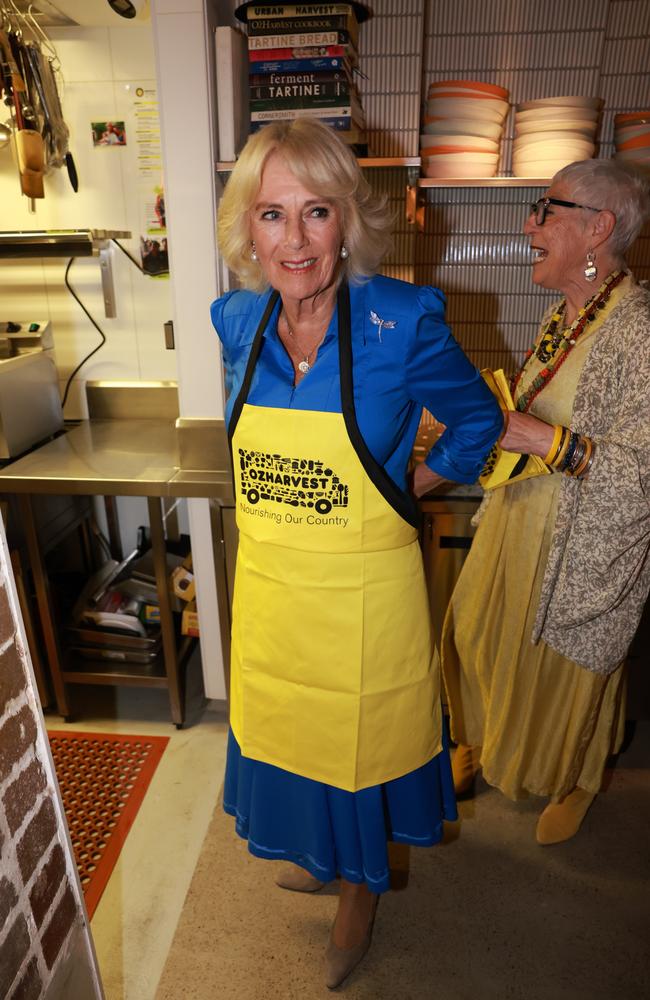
{"points": [[332, 672]]}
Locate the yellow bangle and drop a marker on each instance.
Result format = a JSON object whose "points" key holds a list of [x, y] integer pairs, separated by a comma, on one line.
{"points": [[564, 447], [552, 451]]}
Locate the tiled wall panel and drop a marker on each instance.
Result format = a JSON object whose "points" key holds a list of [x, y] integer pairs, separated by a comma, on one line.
{"points": [[471, 245], [390, 76]]}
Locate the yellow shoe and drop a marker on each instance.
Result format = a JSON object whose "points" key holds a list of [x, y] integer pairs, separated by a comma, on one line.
{"points": [[562, 820], [465, 764]]}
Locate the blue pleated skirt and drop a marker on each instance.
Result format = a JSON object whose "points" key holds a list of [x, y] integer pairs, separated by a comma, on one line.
{"points": [[329, 831]]}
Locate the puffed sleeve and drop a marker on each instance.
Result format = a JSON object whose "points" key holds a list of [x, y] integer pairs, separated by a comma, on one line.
{"points": [[233, 319], [441, 378]]}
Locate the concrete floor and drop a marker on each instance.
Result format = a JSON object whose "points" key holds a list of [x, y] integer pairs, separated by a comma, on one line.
{"points": [[488, 915], [189, 915], [135, 921]]}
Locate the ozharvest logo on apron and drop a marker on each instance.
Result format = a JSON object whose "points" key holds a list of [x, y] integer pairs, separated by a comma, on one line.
{"points": [[296, 482], [331, 665]]}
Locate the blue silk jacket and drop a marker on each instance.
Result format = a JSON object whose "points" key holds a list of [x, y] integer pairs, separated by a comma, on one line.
{"points": [[404, 358]]}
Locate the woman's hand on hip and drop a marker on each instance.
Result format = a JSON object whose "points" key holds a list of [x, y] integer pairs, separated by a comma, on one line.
{"points": [[526, 434], [423, 480]]}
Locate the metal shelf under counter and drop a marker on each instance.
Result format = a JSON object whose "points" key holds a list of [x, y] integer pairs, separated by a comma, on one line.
{"points": [[114, 457]]}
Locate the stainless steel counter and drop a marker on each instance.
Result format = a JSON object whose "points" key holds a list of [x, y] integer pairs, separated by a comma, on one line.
{"points": [[114, 458], [111, 457]]}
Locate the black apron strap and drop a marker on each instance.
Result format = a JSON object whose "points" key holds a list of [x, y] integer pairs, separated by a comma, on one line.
{"points": [[403, 503], [256, 347]]}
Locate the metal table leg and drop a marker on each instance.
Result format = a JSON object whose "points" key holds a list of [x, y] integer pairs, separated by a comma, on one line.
{"points": [[42, 586], [166, 616]]}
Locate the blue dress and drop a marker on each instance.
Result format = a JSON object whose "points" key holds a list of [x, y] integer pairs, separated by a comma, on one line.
{"points": [[404, 358]]}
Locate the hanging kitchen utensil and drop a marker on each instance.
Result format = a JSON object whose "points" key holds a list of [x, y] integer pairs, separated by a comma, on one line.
{"points": [[31, 161], [72, 171], [28, 79]]}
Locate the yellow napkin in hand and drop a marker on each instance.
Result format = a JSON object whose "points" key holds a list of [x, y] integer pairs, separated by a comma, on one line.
{"points": [[503, 467]]}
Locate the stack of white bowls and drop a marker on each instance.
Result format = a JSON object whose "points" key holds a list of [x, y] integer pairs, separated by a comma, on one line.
{"points": [[462, 129], [552, 132], [632, 138]]}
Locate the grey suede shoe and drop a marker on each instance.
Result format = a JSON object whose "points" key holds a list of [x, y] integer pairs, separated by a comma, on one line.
{"points": [[297, 880], [341, 961]]}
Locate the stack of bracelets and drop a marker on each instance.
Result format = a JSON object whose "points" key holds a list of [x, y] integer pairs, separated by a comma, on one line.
{"points": [[570, 452]]}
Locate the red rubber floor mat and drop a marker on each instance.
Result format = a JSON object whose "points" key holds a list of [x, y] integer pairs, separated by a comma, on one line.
{"points": [[103, 780]]}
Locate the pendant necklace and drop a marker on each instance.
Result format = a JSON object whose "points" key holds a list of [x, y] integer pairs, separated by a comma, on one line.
{"points": [[304, 365]]}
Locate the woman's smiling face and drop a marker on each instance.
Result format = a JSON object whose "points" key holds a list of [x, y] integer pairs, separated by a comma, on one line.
{"points": [[560, 245], [297, 234]]}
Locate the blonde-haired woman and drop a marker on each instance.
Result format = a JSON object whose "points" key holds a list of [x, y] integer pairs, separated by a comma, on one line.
{"points": [[336, 741]]}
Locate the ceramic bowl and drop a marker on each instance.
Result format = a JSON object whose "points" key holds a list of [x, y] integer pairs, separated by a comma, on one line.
{"points": [[463, 157], [434, 125], [533, 127], [472, 142], [454, 107], [438, 166], [632, 118], [556, 150], [538, 168], [542, 166], [558, 114], [630, 132], [532, 138], [636, 142], [595, 103], [474, 86], [634, 155]]}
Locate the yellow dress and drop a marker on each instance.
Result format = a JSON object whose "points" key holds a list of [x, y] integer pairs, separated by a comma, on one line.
{"points": [[544, 723]]}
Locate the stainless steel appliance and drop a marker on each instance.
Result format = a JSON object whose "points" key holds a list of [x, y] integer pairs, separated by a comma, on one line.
{"points": [[30, 402]]}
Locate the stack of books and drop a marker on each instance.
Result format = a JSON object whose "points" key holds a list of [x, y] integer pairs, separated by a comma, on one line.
{"points": [[301, 61]]}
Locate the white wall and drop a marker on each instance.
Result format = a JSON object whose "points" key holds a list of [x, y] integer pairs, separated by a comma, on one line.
{"points": [[99, 67], [183, 32]]}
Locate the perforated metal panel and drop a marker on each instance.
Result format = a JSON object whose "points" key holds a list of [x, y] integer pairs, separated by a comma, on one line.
{"points": [[472, 245]]}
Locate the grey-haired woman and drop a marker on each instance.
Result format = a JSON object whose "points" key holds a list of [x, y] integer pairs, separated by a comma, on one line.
{"points": [[553, 588]]}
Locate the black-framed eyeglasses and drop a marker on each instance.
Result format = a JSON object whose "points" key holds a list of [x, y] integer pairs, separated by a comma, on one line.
{"points": [[539, 208]]}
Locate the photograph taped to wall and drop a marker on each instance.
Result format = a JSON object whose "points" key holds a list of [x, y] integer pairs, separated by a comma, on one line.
{"points": [[154, 256], [108, 133]]}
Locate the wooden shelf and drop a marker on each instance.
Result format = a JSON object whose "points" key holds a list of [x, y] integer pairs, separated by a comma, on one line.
{"points": [[82, 671], [79, 670], [388, 161], [225, 166], [484, 182]]}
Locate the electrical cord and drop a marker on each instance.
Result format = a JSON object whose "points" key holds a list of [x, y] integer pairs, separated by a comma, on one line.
{"points": [[94, 323], [129, 255]]}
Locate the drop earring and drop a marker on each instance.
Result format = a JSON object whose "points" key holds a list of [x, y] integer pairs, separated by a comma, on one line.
{"points": [[345, 253], [590, 267], [254, 256]]}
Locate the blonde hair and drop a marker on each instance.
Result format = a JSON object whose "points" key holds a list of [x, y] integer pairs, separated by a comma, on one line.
{"points": [[325, 166]]}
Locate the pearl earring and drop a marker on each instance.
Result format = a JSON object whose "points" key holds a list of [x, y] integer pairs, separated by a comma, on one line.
{"points": [[345, 253], [590, 267], [254, 256]]}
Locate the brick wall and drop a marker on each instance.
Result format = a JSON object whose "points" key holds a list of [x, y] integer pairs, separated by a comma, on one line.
{"points": [[42, 920]]}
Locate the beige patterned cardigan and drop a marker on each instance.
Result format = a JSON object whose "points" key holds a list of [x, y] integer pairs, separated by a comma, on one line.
{"points": [[597, 576]]}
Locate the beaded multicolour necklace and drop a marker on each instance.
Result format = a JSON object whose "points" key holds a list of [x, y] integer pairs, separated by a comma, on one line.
{"points": [[552, 349]]}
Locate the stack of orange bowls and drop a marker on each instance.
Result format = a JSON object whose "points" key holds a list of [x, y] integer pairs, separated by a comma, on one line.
{"points": [[632, 138], [462, 129]]}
